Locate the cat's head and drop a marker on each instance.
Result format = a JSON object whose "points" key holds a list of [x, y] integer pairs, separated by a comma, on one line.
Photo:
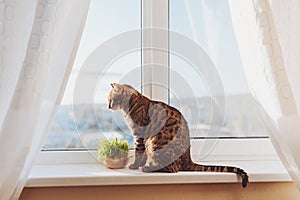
{"points": [[119, 96]]}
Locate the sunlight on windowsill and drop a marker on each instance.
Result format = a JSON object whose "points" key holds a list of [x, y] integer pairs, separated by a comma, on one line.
{"points": [[97, 174]]}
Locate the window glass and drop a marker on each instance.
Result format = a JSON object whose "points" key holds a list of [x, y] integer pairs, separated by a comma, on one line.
{"points": [[208, 24], [81, 120]]}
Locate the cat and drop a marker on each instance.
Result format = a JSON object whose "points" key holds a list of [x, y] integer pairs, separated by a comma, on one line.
{"points": [[162, 141]]}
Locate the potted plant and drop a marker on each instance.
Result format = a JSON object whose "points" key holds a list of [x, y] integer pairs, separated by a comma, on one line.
{"points": [[114, 153]]}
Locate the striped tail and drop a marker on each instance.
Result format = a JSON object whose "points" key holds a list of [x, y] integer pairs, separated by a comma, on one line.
{"points": [[229, 169]]}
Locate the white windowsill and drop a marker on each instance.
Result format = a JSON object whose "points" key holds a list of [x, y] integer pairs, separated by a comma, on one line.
{"points": [[256, 156], [97, 174]]}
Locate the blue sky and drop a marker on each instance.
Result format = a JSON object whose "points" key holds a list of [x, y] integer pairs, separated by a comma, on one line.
{"points": [[205, 21]]}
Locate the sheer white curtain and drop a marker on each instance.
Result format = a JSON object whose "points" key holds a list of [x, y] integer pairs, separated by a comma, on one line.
{"points": [[268, 37], [38, 43]]}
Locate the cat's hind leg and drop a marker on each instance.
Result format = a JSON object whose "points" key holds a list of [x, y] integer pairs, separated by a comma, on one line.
{"points": [[174, 167]]}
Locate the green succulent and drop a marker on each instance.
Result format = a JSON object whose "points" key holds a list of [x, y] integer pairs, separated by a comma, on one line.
{"points": [[115, 148]]}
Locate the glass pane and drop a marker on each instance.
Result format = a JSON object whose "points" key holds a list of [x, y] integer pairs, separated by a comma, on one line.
{"points": [[83, 117], [207, 23]]}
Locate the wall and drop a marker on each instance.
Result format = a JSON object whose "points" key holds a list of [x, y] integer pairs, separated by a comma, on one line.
{"points": [[254, 191]]}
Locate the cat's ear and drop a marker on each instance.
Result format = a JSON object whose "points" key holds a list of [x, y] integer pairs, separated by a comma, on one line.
{"points": [[116, 87]]}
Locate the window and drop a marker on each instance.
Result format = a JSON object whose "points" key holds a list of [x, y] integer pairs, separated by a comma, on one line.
{"points": [[208, 23], [82, 119]]}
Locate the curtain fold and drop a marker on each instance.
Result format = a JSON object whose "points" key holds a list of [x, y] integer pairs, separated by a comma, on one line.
{"points": [[38, 43], [267, 33]]}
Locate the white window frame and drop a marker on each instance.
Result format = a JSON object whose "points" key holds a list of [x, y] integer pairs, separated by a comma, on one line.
{"points": [[225, 150], [155, 13]]}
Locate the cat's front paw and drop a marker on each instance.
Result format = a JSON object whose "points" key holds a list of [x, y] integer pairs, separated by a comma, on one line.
{"points": [[133, 166]]}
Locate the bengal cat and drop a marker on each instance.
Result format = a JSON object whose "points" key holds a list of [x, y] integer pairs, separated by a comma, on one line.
{"points": [[162, 141]]}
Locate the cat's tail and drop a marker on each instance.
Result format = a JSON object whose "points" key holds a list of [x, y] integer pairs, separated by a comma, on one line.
{"points": [[229, 169]]}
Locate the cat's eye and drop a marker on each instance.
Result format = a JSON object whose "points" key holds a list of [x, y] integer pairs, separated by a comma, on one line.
{"points": [[116, 87]]}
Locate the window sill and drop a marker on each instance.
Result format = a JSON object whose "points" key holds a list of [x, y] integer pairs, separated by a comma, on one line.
{"points": [[96, 174]]}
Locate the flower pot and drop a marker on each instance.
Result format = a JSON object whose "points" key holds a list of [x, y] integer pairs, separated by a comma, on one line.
{"points": [[115, 163]]}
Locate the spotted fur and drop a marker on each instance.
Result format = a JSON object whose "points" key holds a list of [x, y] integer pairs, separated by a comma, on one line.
{"points": [[162, 142]]}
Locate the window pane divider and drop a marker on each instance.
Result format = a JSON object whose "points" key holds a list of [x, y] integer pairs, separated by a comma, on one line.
{"points": [[155, 49]]}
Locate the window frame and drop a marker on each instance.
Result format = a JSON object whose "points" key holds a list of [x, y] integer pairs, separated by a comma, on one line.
{"points": [[239, 149], [155, 13]]}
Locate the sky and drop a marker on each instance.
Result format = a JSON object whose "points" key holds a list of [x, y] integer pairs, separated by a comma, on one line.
{"points": [[207, 22]]}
